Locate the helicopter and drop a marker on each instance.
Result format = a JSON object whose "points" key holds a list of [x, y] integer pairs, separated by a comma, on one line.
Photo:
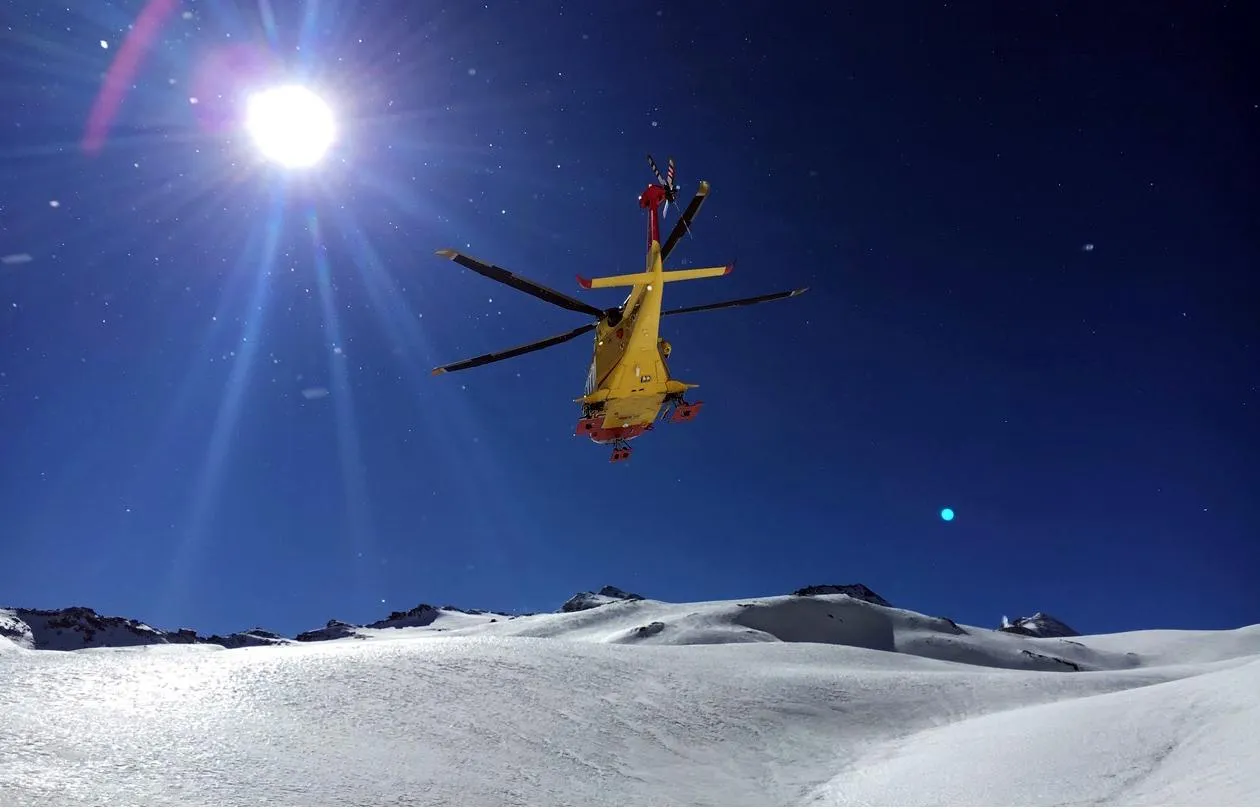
{"points": [[628, 384]]}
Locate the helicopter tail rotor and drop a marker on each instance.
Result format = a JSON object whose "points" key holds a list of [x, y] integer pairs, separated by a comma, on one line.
{"points": [[666, 181]]}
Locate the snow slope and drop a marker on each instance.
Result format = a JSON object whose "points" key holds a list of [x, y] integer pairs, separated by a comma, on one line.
{"points": [[830, 619], [1189, 741], [771, 701]]}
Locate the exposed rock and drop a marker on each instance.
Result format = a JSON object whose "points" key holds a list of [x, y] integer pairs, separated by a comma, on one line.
{"points": [[1053, 659], [607, 595], [333, 630], [422, 615], [449, 608], [648, 630], [252, 637], [16, 630], [75, 628], [860, 591], [1038, 625], [419, 615]]}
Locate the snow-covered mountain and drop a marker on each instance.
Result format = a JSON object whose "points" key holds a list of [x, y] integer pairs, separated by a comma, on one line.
{"points": [[814, 699], [606, 595], [74, 628], [426, 616], [856, 590], [80, 627], [252, 637], [83, 628], [1038, 625], [333, 630]]}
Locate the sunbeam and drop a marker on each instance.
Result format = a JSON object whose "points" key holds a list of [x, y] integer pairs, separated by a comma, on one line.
{"points": [[362, 542], [205, 490], [447, 418], [387, 299], [173, 421]]}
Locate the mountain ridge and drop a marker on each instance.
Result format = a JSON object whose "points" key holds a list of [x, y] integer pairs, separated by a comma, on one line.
{"points": [[80, 627]]}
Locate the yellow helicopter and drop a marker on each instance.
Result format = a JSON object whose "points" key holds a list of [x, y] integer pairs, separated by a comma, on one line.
{"points": [[628, 385]]}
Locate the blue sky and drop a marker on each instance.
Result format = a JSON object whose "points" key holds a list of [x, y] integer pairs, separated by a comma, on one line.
{"points": [[935, 178]]}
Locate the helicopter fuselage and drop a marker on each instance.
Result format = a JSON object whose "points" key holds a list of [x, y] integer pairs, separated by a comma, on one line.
{"points": [[628, 382]]}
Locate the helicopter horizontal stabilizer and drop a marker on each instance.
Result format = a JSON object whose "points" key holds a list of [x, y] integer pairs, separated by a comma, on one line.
{"points": [[634, 279], [683, 225]]}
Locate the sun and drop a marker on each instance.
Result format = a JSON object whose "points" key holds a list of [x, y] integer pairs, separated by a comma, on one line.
{"points": [[290, 124]]}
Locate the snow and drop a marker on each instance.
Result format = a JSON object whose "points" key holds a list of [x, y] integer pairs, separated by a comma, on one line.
{"points": [[1039, 625], [606, 595], [1180, 742], [15, 631], [74, 628], [252, 637], [786, 700]]}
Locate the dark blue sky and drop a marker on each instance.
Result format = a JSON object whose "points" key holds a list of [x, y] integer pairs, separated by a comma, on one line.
{"points": [[933, 172]]}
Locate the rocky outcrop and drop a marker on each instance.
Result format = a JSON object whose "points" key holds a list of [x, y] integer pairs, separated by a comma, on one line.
{"points": [[859, 591], [648, 630], [419, 615], [1038, 625], [16, 630], [75, 628], [1067, 664], [606, 595], [450, 608], [333, 630], [72, 628], [252, 637]]}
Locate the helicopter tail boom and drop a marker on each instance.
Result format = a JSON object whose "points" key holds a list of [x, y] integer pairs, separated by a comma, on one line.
{"points": [[635, 279]]}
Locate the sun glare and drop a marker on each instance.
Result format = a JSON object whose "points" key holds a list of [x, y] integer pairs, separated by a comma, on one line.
{"points": [[291, 125]]}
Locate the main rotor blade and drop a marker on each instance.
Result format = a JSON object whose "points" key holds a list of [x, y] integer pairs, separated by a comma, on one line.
{"points": [[523, 284], [495, 356], [774, 296], [684, 222]]}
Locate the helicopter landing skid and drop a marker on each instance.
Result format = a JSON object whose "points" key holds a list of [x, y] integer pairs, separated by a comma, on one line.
{"points": [[685, 411]]}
